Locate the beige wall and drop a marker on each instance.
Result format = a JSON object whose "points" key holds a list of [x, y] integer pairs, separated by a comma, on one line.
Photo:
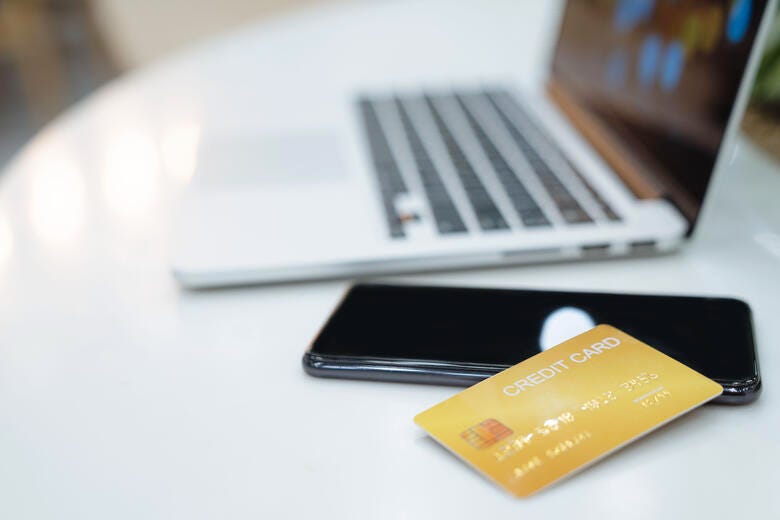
{"points": [[139, 31]]}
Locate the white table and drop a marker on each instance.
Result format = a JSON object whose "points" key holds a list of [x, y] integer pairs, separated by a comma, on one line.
{"points": [[123, 397]]}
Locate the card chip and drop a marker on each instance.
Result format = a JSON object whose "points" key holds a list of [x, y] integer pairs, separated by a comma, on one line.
{"points": [[485, 434]]}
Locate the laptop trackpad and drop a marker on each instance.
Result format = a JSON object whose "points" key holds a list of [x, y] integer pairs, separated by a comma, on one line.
{"points": [[235, 160]]}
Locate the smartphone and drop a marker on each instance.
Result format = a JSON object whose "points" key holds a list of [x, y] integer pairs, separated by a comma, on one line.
{"points": [[459, 336]]}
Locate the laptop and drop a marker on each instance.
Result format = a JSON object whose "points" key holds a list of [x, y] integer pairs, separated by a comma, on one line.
{"points": [[611, 157]]}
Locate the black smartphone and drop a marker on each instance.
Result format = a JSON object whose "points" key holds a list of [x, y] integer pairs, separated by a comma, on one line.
{"points": [[459, 336]]}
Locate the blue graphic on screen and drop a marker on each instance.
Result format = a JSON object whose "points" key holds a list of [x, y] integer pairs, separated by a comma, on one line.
{"points": [[672, 66], [739, 20], [649, 57], [630, 13], [617, 68]]}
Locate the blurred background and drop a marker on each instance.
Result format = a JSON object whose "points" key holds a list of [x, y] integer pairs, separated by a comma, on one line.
{"points": [[55, 52]]}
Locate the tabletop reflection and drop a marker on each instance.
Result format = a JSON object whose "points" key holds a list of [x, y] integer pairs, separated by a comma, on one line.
{"points": [[57, 207]]}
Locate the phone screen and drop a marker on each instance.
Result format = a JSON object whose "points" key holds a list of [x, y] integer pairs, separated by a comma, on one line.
{"points": [[503, 327]]}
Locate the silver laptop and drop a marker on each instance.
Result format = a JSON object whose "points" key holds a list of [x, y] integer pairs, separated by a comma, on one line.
{"points": [[611, 156]]}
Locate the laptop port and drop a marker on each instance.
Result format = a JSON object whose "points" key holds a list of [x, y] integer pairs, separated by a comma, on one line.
{"points": [[595, 250], [643, 247]]}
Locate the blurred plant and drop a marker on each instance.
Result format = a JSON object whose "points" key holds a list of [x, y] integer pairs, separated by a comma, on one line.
{"points": [[766, 91]]}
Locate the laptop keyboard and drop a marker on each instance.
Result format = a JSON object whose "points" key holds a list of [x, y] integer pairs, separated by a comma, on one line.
{"points": [[570, 209], [527, 209], [448, 219], [473, 162], [488, 215]]}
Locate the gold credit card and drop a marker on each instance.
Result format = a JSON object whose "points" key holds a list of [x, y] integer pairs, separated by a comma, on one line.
{"points": [[565, 408]]}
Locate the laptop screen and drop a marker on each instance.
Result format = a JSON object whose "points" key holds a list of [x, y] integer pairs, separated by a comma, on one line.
{"points": [[655, 82]]}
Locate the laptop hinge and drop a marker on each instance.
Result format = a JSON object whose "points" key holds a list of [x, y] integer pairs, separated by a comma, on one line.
{"points": [[600, 137]]}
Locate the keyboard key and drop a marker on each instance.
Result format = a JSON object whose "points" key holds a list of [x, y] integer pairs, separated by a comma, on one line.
{"points": [[444, 211], [391, 182], [529, 212], [488, 215], [575, 215], [560, 194], [608, 211]]}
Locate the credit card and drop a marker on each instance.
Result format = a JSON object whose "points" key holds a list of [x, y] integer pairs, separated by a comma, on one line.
{"points": [[565, 408]]}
